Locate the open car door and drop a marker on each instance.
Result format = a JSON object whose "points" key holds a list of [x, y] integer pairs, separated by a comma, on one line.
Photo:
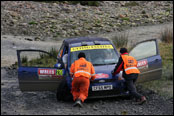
{"points": [[149, 60], [36, 71]]}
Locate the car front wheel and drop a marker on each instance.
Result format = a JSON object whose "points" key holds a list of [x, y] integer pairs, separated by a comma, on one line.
{"points": [[63, 92]]}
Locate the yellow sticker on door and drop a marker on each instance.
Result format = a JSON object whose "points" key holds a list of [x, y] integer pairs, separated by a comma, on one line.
{"points": [[73, 49]]}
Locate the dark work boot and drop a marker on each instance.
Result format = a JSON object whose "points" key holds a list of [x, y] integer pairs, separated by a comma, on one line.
{"points": [[78, 102], [143, 100]]}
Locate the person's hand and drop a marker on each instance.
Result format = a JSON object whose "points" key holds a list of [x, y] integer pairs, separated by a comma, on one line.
{"points": [[112, 72], [91, 81], [120, 78]]}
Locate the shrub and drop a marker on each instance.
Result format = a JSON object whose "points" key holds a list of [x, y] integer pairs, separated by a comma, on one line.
{"points": [[166, 35], [132, 3], [89, 3], [120, 40]]}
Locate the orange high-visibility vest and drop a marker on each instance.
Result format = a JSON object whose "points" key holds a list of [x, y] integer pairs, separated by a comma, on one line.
{"points": [[82, 67], [130, 64]]}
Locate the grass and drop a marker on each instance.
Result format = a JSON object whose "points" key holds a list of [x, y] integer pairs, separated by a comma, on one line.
{"points": [[166, 35], [166, 52], [33, 22], [44, 60], [164, 86], [88, 3], [120, 40], [131, 3]]}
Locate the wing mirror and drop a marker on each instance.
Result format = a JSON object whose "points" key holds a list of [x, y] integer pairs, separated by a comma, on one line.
{"points": [[59, 64]]}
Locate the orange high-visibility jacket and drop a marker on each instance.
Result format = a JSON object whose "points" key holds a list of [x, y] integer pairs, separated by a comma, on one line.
{"points": [[130, 64], [82, 67]]}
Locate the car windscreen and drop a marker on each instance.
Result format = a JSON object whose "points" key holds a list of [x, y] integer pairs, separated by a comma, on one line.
{"points": [[97, 56]]}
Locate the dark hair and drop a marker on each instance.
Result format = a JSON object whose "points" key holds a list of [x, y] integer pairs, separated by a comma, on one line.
{"points": [[81, 54], [123, 50]]}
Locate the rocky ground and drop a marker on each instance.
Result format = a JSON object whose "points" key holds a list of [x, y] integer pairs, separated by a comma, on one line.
{"points": [[61, 19], [14, 102], [34, 25]]}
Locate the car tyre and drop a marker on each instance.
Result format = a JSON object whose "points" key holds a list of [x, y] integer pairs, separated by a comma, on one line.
{"points": [[63, 91]]}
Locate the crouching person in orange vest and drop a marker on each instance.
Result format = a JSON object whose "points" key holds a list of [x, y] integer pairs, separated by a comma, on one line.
{"points": [[81, 72], [130, 73]]}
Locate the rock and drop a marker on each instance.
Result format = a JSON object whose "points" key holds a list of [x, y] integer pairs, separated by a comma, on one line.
{"points": [[14, 21], [42, 21], [122, 16], [28, 39], [95, 107], [143, 12], [145, 16], [133, 24], [77, 32], [53, 21], [37, 39], [124, 112], [14, 14], [23, 24]]}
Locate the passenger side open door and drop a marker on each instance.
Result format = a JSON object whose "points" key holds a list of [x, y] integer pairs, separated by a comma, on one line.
{"points": [[149, 60]]}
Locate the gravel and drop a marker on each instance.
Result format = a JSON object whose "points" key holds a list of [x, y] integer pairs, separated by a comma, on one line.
{"points": [[15, 102], [60, 19], [34, 25]]}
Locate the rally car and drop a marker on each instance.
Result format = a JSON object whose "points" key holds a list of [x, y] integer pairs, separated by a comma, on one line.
{"points": [[34, 76]]}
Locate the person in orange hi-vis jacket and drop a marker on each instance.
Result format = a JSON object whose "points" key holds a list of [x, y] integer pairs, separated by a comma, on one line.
{"points": [[130, 73], [81, 71]]}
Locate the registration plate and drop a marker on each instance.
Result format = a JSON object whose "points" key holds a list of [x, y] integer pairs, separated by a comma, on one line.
{"points": [[102, 87]]}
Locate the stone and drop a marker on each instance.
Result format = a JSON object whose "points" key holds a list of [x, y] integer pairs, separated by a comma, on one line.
{"points": [[37, 39]]}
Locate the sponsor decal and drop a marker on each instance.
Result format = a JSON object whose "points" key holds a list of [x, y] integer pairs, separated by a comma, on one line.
{"points": [[142, 64], [46, 72], [49, 73], [73, 49], [101, 75]]}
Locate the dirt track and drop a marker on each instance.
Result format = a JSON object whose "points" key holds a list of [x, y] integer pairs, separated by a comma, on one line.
{"points": [[14, 102], [14, 16]]}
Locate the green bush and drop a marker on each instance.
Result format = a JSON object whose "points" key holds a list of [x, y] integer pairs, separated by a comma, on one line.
{"points": [[166, 35], [44, 60], [132, 3], [120, 40], [89, 3]]}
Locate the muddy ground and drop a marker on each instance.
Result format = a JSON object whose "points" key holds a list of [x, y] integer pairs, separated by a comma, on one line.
{"points": [[14, 102]]}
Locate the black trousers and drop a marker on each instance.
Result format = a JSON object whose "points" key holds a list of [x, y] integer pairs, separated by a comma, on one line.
{"points": [[130, 84]]}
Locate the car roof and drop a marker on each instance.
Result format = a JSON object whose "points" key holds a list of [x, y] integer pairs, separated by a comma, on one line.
{"points": [[84, 39]]}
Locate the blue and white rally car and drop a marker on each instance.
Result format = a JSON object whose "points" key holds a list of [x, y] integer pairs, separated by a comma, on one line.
{"points": [[34, 76]]}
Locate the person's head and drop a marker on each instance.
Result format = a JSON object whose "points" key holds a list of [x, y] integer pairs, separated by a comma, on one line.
{"points": [[81, 54], [123, 50]]}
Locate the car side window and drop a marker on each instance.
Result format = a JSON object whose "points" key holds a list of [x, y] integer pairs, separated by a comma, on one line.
{"points": [[144, 50], [36, 59]]}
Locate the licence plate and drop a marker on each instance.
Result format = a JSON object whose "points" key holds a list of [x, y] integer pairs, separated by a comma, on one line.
{"points": [[102, 87]]}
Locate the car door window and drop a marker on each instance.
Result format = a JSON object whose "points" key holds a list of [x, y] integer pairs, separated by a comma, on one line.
{"points": [[144, 50], [36, 59]]}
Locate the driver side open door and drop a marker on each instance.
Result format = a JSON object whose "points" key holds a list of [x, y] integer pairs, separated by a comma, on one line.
{"points": [[36, 71]]}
